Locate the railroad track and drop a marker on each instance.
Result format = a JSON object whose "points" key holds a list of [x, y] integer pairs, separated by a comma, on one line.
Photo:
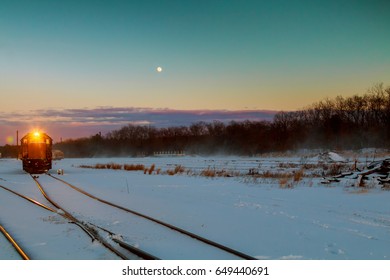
{"points": [[159, 222], [93, 231], [11, 240], [17, 247]]}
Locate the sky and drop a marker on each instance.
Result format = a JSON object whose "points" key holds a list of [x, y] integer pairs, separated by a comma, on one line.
{"points": [[216, 55]]}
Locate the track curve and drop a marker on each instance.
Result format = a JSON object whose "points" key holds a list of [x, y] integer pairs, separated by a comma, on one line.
{"points": [[92, 230], [170, 226]]}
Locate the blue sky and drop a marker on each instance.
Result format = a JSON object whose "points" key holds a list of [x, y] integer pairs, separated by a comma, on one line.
{"points": [[216, 55]]}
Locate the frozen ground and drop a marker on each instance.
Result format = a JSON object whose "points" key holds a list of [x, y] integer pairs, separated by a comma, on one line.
{"points": [[265, 215]]}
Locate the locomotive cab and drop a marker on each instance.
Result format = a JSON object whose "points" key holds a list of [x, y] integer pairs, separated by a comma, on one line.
{"points": [[36, 152]]}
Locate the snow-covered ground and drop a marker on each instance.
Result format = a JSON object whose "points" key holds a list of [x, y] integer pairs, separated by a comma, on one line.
{"points": [[268, 217]]}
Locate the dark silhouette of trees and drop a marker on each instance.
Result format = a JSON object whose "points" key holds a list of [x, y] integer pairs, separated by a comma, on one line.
{"points": [[9, 151], [342, 123], [355, 122]]}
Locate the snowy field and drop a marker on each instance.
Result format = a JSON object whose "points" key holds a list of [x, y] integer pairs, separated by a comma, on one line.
{"points": [[269, 208]]}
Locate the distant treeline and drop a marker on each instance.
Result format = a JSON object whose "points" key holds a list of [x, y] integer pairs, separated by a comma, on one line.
{"points": [[341, 123], [9, 151], [199, 138]]}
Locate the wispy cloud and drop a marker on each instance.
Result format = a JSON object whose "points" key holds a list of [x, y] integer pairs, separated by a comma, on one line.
{"points": [[73, 123]]}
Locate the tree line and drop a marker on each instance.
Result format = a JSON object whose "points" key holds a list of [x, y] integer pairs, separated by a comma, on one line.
{"points": [[198, 138], [355, 122]]}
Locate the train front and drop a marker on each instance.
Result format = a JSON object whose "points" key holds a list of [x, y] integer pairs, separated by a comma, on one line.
{"points": [[36, 152]]}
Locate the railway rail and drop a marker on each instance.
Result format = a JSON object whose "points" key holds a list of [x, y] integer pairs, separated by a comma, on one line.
{"points": [[93, 231], [90, 229], [162, 223], [17, 247], [107, 238]]}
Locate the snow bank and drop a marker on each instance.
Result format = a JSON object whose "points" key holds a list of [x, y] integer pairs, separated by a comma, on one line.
{"points": [[329, 157]]}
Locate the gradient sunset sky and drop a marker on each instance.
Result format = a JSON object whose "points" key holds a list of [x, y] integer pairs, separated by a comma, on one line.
{"points": [[231, 55]]}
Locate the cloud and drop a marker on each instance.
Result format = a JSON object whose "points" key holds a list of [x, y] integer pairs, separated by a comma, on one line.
{"points": [[75, 123]]}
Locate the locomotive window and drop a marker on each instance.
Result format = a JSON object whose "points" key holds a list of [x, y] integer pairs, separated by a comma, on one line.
{"points": [[48, 141]]}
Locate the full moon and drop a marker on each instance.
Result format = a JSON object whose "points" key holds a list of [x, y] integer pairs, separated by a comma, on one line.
{"points": [[159, 69]]}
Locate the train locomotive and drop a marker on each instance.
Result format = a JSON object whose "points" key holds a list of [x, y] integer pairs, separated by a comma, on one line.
{"points": [[36, 152]]}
